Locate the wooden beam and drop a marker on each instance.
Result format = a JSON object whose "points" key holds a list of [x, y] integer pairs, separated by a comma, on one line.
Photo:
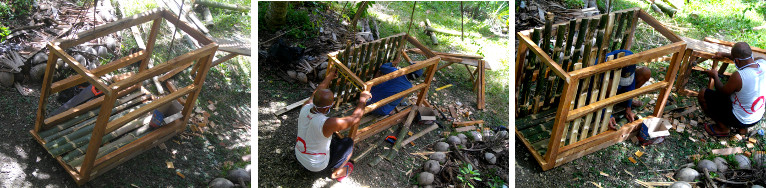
{"points": [[99, 71], [159, 69], [149, 107], [731, 44], [420, 46], [387, 100], [403, 71], [45, 91], [201, 38], [628, 60], [103, 30], [581, 111], [345, 72], [93, 79], [545, 58], [82, 108], [381, 125], [659, 27]]}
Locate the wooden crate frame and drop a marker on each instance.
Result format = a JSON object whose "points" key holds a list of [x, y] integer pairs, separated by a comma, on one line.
{"points": [[356, 64], [557, 153], [92, 166]]}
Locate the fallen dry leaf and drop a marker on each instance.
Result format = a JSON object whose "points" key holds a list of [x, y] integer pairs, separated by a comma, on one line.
{"points": [[169, 164], [603, 174], [211, 107], [179, 174], [632, 160], [639, 153], [597, 185]]}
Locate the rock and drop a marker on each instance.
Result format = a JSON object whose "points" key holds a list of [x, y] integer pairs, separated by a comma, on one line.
{"points": [[487, 134], [438, 156], [39, 58], [102, 51], [322, 73], [501, 135], [760, 159], [707, 164], [454, 140], [220, 183], [6, 79], [742, 162], [428, 186], [302, 77], [60, 64], [37, 72], [110, 43], [756, 186], [463, 138], [292, 74], [425, 178], [476, 136], [681, 184], [441, 146], [323, 65], [686, 174], [432, 166], [80, 59], [89, 50], [490, 158], [237, 174], [721, 164]]}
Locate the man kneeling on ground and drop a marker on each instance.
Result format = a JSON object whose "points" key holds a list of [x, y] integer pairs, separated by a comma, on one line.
{"points": [[316, 148], [738, 104]]}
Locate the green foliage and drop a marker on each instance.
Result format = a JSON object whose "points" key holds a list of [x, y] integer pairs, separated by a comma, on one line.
{"points": [[467, 173], [4, 31], [574, 4], [10, 9]]}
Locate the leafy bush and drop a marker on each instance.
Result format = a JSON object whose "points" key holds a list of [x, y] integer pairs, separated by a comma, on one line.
{"points": [[10, 9], [4, 31]]}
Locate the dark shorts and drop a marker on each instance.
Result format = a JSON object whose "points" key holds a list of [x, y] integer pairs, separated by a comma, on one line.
{"points": [[720, 109], [339, 151]]}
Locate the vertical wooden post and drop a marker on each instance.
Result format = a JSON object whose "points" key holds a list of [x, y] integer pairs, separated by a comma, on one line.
{"points": [[45, 89], [559, 123], [424, 92], [670, 76], [98, 132]]}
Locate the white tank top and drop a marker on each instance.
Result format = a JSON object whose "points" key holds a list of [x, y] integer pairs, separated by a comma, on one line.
{"points": [[748, 102], [312, 148]]}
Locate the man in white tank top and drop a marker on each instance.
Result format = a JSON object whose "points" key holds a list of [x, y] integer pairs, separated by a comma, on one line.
{"points": [[740, 103], [315, 147]]}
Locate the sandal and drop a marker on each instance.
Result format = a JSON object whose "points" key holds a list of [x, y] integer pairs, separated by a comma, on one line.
{"points": [[709, 129], [349, 167]]}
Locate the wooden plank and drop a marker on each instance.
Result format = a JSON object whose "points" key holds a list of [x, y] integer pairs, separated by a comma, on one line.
{"points": [[92, 79], [670, 78], [149, 107], [381, 125], [632, 59], [420, 46], [103, 30], [82, 108], [466, 123], [581, 111], [376, 105], [162, 68], [659, 27], [730, 44], [546, 59], [97, 134], [538, 157], [430, 72], [560, 122], [403, 71], [201, 38], [593, 144], [98, 71], [420, 134], [45, 91]]}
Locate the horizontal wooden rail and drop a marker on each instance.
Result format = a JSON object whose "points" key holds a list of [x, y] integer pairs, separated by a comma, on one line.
{"points": [[610, 134], [387, 100], [658, 26], [164, 67], [347, 73], [82, 108], [528, 31], [103, 30], [545, 58], [92, 79], [111, 126], [416, 50], [185, 27], [99, 71], [628, 60], [381, 125], [582, 111], [401, 72]]}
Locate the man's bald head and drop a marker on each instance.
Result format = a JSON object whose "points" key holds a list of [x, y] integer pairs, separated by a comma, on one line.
{"points": [[741, 50], [323, 97]]}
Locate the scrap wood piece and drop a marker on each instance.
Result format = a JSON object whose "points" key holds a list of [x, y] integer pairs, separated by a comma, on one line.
{"points": [[291, 106], [652, 184], [453, 111], [467, 123], [728, 43], [420, 134], [466, 128], [727, 151]]}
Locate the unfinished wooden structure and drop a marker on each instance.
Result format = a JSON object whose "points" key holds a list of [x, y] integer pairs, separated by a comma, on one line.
{"points": [[477, 75], [94, 163], [356, 67], [698, 51], [565, 98]]}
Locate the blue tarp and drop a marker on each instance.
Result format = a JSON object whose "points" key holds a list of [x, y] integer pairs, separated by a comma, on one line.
{"points": [[388, 88]]}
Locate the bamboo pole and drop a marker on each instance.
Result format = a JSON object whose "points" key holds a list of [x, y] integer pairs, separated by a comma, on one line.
{"points": [[566, 133], [616, 75], [531, 66], [85, 116], [87, 128], [83, 141], [542, 84], [595, 80], [403, 132], [557, 57], [108, 148], [91, 120]]}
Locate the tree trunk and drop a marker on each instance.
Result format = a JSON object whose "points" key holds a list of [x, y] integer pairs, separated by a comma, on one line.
{"points": [[277, 14]]}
